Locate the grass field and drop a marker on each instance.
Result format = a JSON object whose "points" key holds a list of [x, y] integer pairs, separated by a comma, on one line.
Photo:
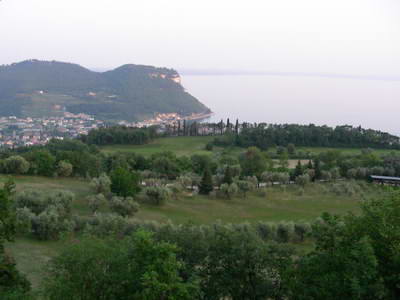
{"points": [[196, 145], [279, 204], [346, 151], [179, 145]]}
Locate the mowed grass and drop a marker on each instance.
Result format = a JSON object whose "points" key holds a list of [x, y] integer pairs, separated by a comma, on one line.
{"points": [[196, 145], [32, 256], [345, 151], [179, 145], [279, 204]]}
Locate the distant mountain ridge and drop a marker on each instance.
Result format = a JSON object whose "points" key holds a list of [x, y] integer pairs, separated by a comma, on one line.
{"points": [[34, 88]]}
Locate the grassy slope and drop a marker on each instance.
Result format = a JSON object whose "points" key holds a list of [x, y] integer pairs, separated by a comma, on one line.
{"points": [[280, 204], [191, 145], [179, 145]]}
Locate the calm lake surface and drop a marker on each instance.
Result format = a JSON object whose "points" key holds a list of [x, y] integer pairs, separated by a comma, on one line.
{"points": [[295, 99]]}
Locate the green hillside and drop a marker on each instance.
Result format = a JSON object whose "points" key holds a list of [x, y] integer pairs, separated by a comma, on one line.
{"points": [[131, 92]]}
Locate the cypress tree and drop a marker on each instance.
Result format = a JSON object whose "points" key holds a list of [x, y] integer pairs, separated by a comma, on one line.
{"points": [[298, 170], [228, 176], [206, 185], [237, 127], [317, 168]]}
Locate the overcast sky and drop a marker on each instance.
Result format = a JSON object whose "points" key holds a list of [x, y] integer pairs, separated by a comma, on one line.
{"points": [[336, 36]]}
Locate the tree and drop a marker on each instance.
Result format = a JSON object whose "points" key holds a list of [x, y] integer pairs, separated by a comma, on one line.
{"points": [[125, 207], [42, 162], [229, 190], [379, 222], [342, 266], [317, 168], [95, 201], [16, 165], [303, 180], [291, 148], [298, 170], [245, 186], [101, 184], [228, 176], [158, 195], [253, 162], [240, 266], [137, 267], [125, 183], [206, 185], [64, 169], [10, 279]]}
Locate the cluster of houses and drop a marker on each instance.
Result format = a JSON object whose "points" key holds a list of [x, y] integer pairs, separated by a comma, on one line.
{"points": [[16, 132], [165, 119]]}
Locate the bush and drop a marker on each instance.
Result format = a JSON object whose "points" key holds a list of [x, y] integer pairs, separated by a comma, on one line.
{"points": [[95, 202], [126, 207], [16, 165], [46, 215], [229, 190], [157, 195], [125, 183], [209, 146], [136, 268], [101, 184], [303, 180], [285, 232], [64, 169]]}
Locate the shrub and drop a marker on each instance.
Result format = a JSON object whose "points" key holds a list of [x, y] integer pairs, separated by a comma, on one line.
{"points": [[95, 202], [64, 169], [303, 180], [157, 195], [285, 232], [101, 184], [301, 230], [16, 165], [46, 215], [125, 207]]}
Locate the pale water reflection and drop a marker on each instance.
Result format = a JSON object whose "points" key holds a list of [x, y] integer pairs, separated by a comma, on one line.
{"points": [[283, 99]]}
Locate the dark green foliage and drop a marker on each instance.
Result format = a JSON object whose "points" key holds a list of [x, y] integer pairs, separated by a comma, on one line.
{"points": [[253, 162], [120, 135], [10, 279], [137, 268], [201, 162], [228, 178], [124, 183], [380, 223], [128, 92], [298, 170], [157, 195], [343, 266], [41, 162], [240, 266], [166, 164], [317, 168], [206, 185], [209, 146], [269, 135]]}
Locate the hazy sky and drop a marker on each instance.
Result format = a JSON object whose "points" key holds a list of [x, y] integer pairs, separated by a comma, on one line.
{"points": [[338, 36]]}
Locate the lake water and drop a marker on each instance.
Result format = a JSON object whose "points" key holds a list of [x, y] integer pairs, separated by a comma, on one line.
{"points": [[295, 99]]}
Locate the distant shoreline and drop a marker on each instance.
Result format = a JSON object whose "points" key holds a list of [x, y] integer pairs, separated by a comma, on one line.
{"points": [[195, 72]]}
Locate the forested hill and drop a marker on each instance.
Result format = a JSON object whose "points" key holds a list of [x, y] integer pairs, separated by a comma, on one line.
{"points": [[37, 88]]}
